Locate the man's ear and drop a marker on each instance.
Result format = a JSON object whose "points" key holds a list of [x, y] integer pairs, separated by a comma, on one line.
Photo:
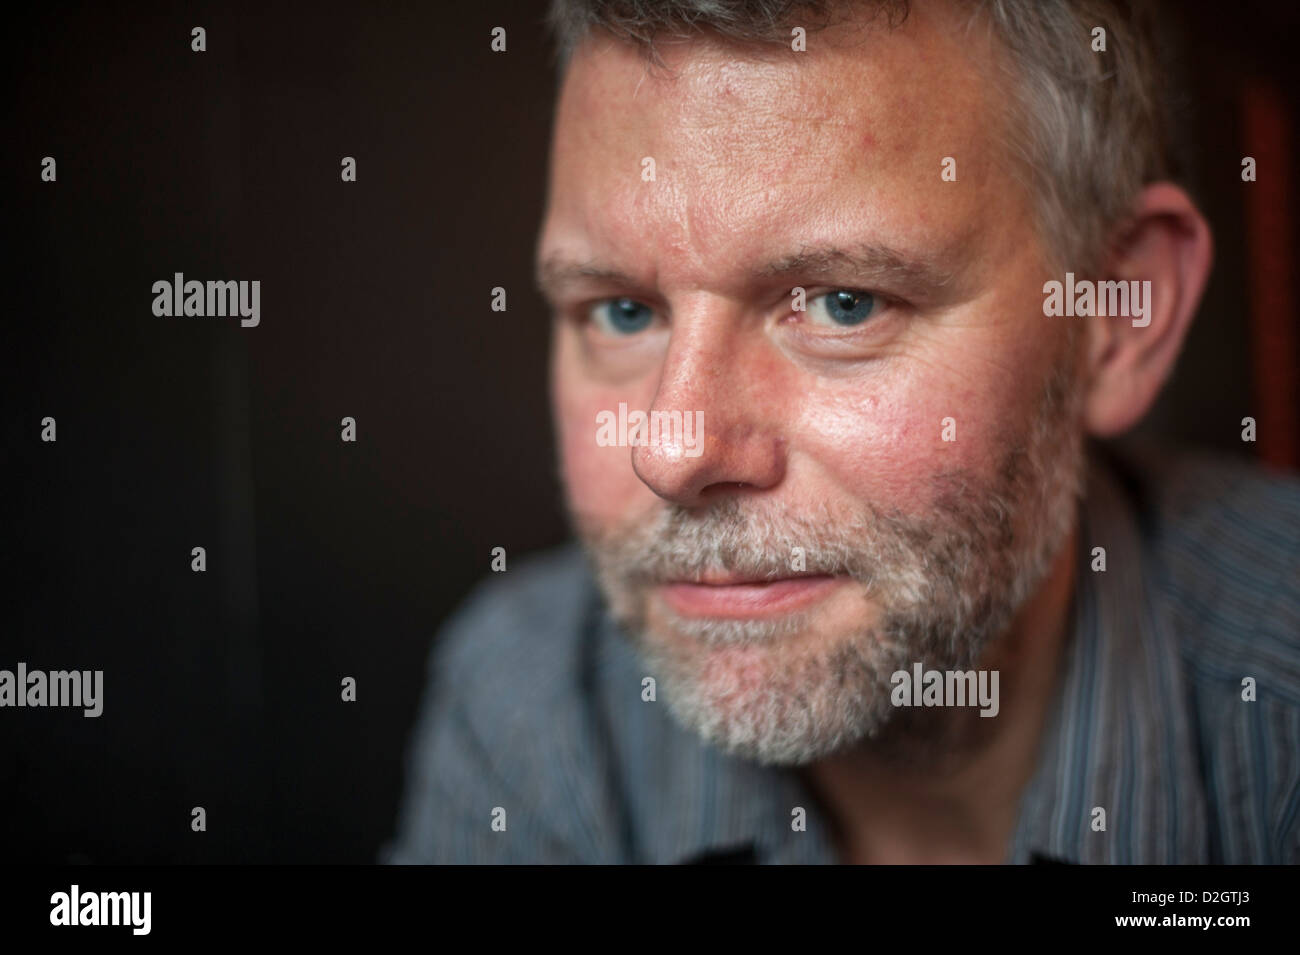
{"points": [[1167, 242]]}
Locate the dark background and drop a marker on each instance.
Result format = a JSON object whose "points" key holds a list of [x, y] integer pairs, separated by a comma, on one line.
{"points": [[328, 559]]}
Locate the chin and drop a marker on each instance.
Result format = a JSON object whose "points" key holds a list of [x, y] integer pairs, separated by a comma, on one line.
{"points": [[785, 701]]}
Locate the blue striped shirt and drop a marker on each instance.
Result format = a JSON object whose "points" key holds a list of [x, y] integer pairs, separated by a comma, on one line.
{"points": [[533, 743]]}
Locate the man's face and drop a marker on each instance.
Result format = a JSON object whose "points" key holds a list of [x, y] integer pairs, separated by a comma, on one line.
{"points": [[882, 477]]}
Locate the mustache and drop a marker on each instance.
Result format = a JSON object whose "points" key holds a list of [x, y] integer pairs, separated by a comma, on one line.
{"points": [[734, 537]]}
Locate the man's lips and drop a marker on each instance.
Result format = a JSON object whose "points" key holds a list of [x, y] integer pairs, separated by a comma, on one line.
{"points": [[739, 598]]}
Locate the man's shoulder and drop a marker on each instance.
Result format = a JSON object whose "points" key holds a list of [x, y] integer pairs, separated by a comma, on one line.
{"points": [[1222, 558], [1225, 537], [503, 727], [519, 627], [1206, 497]]}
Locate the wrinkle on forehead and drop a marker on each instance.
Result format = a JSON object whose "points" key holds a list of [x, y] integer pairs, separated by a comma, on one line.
{"points": [[720, 96], [748, 142]]}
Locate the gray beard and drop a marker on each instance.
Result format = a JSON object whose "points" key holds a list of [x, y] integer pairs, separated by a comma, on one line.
{"points": [[947, 583]]}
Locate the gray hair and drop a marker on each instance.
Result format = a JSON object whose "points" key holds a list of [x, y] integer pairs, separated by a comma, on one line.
{"points": [[1087, 130]]}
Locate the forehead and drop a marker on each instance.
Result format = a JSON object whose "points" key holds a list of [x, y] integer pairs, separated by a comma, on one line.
{"points": [[755, 144]]}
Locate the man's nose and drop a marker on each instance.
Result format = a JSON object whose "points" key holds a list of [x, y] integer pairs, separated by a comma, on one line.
{"points": [[728, 438]]}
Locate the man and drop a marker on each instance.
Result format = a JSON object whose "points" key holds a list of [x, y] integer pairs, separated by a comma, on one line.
{"points": [[862, 587]]}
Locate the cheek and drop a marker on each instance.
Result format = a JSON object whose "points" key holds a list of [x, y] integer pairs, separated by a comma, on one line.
{"points": [[599, 481], [884, 441]]}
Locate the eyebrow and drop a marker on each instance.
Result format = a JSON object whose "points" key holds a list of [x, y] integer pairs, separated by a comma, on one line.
{"points": [[872, 262], [865, 264], [556, 271]]}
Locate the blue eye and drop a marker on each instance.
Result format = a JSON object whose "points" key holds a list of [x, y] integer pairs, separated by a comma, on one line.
{"points": [[623, 316], [844, 307]]}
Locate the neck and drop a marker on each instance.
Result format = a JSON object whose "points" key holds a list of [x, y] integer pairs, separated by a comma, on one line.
{"points": [[944, 784]]}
